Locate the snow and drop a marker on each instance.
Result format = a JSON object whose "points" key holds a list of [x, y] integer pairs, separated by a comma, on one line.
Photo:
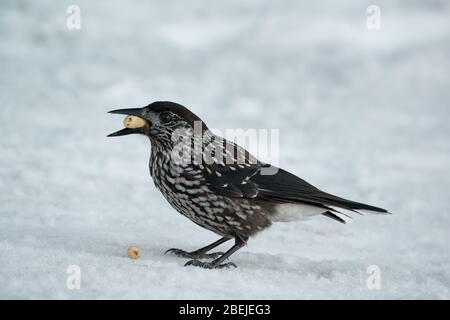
{"points": [[362, 114]]}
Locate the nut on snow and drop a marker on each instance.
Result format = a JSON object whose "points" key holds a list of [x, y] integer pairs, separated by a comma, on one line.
{"points": [[134, 252], [133, 122]]}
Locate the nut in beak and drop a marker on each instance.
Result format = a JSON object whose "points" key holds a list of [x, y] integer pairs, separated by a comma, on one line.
{"points": [[133, 122]]}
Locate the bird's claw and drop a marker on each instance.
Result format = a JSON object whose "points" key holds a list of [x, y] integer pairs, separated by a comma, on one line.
{"points": [[193, 255], [209, 265], [212, 255]]}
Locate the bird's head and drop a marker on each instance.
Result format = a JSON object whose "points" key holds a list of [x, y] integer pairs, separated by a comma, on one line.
{"points": [[161, 121]]}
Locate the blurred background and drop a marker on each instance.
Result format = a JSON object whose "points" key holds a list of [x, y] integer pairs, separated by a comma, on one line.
{"points": [[362, 113]]}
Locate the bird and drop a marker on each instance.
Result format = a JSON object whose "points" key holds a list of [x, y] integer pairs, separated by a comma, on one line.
{"points": [[219, 185]]}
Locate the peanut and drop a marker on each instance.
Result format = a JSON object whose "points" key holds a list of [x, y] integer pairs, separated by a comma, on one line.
{"points": [[133, 122], [134, 252]]}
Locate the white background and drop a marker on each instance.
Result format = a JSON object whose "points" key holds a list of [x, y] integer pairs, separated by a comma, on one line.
{"points": [[362, 114]]}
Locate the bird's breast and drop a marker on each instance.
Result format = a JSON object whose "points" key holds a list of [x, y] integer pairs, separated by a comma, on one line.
{"points": [[187, 190], [182, 186]]}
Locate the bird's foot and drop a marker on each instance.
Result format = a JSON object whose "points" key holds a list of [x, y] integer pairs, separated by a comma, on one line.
{"points": [[193, 254], [209, 265]]}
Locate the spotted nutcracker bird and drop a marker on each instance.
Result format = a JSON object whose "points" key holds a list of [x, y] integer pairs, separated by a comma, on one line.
{"points": [[219, 185]]}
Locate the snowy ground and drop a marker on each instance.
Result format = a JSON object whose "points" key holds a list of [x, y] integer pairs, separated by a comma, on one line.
{"points": [[363, 114]]}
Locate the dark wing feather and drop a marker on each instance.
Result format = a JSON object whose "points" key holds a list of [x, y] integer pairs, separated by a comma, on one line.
{"points": [[286, 185], [248, 182], [233, 183]]}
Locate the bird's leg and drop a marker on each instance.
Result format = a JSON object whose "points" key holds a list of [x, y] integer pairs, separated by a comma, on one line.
{"points": [[217, 263], [200, 253]]}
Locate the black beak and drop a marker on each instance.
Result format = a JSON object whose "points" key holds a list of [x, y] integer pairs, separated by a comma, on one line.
{"points": [[124, 132], [129, 112]]}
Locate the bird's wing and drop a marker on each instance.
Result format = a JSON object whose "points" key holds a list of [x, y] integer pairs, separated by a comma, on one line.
{"points": [[233, 181], [250, 182]]}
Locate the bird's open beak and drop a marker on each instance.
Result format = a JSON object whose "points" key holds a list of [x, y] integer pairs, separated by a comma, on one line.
{"points": [[134, 123]]}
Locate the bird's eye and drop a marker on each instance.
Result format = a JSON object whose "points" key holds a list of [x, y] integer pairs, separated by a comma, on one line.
{"points": [[165, 117]]}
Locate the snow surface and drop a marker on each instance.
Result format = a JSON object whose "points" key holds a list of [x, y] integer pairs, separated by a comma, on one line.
{"points": [[362, 114]]}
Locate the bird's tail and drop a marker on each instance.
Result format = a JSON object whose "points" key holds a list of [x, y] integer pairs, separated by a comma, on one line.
{"points": [[361, 207], [334, 201]]}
